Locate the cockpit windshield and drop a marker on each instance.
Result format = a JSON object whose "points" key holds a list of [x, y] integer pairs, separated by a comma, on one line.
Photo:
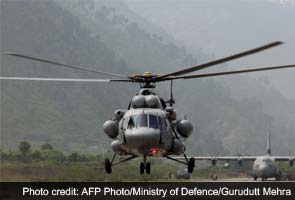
{"points": [[141, 120], [146, 120], [153, 122], [132, 122]]}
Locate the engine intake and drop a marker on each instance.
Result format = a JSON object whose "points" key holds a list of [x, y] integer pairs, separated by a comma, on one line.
{"points": [[119, 114]]}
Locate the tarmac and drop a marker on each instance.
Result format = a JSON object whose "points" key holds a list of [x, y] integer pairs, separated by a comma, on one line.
{"points": [[239, 179]]}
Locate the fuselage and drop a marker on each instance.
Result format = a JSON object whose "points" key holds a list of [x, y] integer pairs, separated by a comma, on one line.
{"points": [[147, 128], [265, 167]]}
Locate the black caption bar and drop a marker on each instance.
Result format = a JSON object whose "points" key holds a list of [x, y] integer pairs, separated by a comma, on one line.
{"points": [[149, 190]]}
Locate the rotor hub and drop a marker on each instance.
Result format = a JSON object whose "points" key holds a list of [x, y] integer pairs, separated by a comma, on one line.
{"points": [[146, 80]]}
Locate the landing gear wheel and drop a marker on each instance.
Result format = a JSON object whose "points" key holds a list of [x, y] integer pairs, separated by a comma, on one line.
{"points": [[191, 165], [108, 166], [279, 176], [141, 168], [255, 178], [148, 168], [215, 177]]}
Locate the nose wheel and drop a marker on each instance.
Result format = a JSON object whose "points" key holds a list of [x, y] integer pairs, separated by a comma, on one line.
{"points": [[148, 168], [145, 166], [108, 166]]}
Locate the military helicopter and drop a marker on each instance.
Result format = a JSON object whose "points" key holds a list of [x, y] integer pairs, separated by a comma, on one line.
{"points": [[149, 127]]}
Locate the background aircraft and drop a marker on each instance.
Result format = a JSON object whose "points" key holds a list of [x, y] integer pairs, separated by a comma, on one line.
{"points": [[264, 166]]}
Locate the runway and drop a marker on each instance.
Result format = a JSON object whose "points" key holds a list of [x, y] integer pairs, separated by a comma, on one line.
{"points": [[239, 179]]}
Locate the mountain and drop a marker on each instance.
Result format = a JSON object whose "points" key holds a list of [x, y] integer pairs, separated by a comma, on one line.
{"points": [[68, 115], [222, 28], [131, 37]]}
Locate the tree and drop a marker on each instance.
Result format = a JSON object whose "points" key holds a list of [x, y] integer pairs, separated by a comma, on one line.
{"points": [[46, 146], [73, 157], [36, 155], [24, 147]]}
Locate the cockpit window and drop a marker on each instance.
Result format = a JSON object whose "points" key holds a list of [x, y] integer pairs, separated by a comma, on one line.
{"points": [[141, 120], [162, 123], [132, 122], [145, 120], [153, 122]]}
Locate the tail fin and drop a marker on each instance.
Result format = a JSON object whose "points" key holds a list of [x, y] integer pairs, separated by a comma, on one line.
{"points": [[268, 143]]}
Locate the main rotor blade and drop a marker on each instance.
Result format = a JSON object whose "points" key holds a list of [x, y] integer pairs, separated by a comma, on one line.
{"points": [[222, 60], [63, 79], [63, 65], [230, 72]]}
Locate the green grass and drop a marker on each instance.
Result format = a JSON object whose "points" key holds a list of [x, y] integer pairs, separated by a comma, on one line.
{"points": [[94, 171], [56, 166], [54, 171]]}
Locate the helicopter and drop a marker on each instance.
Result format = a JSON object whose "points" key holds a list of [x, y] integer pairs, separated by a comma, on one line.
{"points": [[149, 127]]}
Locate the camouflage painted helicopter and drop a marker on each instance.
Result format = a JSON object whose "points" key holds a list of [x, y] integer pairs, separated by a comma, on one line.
{"points": [[149, 127]]}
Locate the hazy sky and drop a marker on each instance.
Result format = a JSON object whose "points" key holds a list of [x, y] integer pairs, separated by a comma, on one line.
{"points": [[226, 27]]}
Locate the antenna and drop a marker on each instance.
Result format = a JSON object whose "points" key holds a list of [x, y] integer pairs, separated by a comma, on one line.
{"points": [[171, 101], [268, 143]]}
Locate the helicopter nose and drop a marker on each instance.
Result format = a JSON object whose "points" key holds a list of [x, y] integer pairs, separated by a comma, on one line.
{"points": [[148, 137]]}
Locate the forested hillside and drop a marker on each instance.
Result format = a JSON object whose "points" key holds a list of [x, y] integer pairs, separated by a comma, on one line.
{"points": [[68, 115], [141, 44]]}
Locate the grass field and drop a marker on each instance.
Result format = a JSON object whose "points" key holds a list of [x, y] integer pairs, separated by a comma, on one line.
{"points": [[53, 171], [47, 164], [88, 172]]}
